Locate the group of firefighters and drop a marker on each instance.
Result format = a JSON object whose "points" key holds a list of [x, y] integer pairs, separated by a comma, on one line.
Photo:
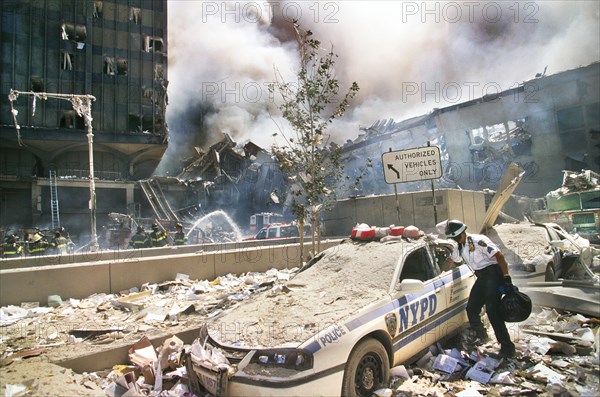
{"points": [[37, 245], [157, 238]]}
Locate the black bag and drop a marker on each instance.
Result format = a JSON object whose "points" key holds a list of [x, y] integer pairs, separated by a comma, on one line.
{"points": [[515, 307]]}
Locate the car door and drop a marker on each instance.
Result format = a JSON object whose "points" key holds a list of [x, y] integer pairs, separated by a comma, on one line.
{"points": [[419, 313]]}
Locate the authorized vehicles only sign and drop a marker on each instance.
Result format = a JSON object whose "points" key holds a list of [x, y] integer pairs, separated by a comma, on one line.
{"points": [[412, 165]]}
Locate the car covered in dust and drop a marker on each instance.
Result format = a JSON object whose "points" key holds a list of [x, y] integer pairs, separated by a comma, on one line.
{"points": [[542, 252], [339, 324]]}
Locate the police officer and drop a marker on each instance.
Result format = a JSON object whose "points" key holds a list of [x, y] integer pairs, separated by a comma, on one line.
{"points": [[37, 245], [180, 237], [59, 244], [11, 248], [491, 270], [139, 239], [158, 237]]}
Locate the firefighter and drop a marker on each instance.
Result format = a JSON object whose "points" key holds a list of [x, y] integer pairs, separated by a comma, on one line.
{"points": [[12, 249], [180, 237], [139, 239], [59, 244], [492, 280], [158, 237], [37, 245]]}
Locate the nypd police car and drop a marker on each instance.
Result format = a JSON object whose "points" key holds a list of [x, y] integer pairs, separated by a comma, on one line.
{"points": [[341, 323]]}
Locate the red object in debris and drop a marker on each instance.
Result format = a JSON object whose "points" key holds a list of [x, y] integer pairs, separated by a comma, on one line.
{"points": [[397, 231], [365, 234], [353, 234]]}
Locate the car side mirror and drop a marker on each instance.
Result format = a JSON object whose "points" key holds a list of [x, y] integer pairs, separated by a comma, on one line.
{"points": [[410, 285], [557, 244]]}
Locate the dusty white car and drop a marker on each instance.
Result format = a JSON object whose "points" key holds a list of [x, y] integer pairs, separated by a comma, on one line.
{"points": [[339, 325], [543, 252]]}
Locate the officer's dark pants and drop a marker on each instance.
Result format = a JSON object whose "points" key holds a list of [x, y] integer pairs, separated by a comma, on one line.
{"points": [[485, 292]]}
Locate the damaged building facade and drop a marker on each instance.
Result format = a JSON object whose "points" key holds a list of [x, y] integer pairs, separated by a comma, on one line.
{"points": [[546, 125], [115, 50]]}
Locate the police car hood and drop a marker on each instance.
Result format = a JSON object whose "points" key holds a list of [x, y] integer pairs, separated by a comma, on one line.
{"points": [[347, 278]]}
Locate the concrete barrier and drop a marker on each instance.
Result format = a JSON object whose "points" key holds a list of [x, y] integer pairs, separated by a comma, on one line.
{"points": [[107, 255], [80, 280]]}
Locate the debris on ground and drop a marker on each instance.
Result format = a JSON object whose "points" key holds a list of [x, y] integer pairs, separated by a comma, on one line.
{"points": [[557, 353]]}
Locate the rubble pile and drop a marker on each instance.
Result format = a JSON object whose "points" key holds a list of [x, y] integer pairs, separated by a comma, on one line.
{"points": [[557, 355], [69, 328]]}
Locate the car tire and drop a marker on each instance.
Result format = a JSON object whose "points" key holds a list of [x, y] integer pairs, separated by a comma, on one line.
{"points": [[550, 274], [367, 369]]}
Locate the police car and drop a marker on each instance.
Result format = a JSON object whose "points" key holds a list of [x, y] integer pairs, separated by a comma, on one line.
{"points": [[341, 323]]}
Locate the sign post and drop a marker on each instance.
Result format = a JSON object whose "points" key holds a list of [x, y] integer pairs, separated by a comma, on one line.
{"points": [[411, 165]]}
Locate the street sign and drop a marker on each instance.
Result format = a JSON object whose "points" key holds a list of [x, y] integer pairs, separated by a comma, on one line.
{"points": [[412, 165]]}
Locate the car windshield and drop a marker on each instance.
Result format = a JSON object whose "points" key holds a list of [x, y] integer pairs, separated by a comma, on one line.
{"points": [[520, 242]]}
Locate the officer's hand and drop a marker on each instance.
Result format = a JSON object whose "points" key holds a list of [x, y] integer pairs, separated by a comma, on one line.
{"points": [[507, 286]]}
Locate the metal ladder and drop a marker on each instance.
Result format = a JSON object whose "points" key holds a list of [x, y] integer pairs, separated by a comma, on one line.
{"points": [[54, 201]]}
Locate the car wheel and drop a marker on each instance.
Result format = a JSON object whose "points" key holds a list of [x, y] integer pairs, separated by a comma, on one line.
{"points": [[367, 369], [550, 275]]}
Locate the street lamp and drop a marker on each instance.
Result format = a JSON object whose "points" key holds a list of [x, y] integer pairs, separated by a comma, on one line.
{"points": [[82, 104]]}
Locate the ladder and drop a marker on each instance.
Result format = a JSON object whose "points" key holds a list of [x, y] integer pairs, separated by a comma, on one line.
{"points": [[54, 201]]}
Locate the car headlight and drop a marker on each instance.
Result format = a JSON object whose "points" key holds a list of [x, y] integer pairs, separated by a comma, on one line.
{"points": [[297, 359]]}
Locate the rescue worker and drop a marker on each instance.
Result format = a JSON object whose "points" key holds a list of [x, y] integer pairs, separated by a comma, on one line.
{"points": [[491, 270], [37, 245], [12, 249], [180, 237], [59, 244], [158, 237], [139, 239]]}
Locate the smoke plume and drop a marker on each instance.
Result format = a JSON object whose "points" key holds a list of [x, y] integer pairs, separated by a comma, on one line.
{"points": [[407, 57]]}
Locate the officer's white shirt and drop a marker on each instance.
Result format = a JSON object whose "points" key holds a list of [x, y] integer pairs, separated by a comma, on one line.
{"points": [[479, 254]]}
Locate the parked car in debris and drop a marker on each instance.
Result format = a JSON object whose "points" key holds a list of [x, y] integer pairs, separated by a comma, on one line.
{"points": [[280, 230], [338, 325], [542, 252]]}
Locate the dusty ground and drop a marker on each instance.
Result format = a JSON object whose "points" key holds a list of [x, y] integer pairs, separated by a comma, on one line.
{"points": [[80, 327]]}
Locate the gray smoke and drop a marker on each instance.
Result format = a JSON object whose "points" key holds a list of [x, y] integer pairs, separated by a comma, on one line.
{"points": [[407, 57]]}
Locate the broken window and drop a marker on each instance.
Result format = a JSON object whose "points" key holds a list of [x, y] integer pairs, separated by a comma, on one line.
{"points": [[122, 66], [67, 61], [153, 44], [37, 84], [98, 6], [135, 123], [73, 32], [570, 119], [498, 141], [158, 72], [150, 96], [70, 119], [135, 15], [109, 66]]}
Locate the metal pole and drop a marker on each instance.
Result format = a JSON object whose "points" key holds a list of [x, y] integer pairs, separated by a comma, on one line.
{"points": [[82, 104], [435, 218], [90, 137], [396, 194]]}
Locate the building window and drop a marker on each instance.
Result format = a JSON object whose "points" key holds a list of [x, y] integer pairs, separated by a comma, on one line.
{"points": [[74, 32], [37, 84], [135, 15], [122, 66], [570, 119], [67, 61], [159, 72], [98, 6], [70, 119], [153, 44], [109, 66]]}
